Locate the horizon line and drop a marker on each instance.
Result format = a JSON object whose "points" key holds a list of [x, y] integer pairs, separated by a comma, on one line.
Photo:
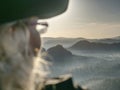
{"points": [[81, 37]]}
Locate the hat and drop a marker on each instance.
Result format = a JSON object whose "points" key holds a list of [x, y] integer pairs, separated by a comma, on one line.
{"points": [[11, 10]]}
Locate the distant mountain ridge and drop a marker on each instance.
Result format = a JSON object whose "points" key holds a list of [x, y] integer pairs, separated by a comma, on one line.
{"points": [[118, 37], [86, 45], [59, 52], [65, 42], [68, 42]]}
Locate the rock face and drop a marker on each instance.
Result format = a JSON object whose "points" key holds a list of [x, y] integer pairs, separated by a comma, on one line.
{"points": [[59, 52], [61, 83], [86, 45], [43, 50]]}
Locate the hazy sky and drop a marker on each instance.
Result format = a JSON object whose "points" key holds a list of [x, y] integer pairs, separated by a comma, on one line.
{"points": [[88, 19]]}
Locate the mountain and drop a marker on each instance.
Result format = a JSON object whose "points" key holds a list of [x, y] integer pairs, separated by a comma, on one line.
{"points": [[43, 50], [118, 37], [68, 42], [86, 45], [59, 52], [105, 40], [65, 42]]}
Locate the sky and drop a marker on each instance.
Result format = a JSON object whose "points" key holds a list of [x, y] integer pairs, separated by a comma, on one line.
{"points": [[88, 19]]}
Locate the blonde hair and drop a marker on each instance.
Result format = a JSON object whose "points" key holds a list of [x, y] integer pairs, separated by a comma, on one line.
{"points": [[17, 64]]}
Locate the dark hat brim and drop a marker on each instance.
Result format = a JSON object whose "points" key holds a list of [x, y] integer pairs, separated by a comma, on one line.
{"points": [[11, 10]]}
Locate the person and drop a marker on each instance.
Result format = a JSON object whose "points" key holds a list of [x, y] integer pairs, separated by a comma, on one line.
{"points": [[21, 67], [19, 45]]}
